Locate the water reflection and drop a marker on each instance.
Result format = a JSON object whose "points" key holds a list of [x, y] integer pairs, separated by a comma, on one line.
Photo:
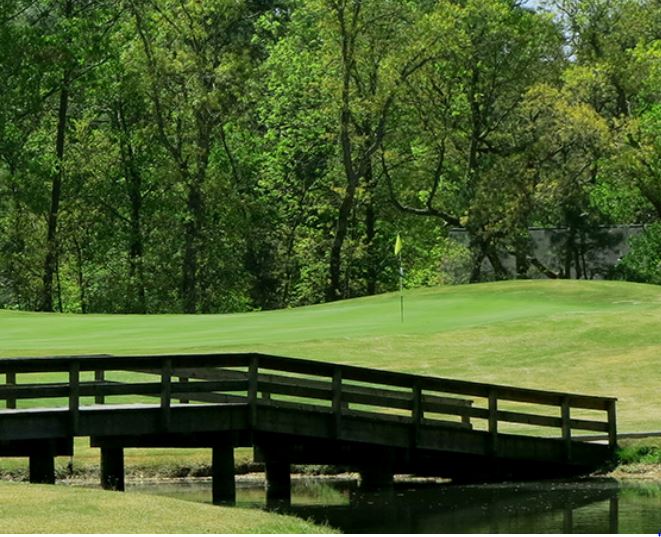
{"points": [[588, 506]]}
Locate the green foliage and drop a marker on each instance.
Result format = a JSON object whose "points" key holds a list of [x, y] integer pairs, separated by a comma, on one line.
{"points": [[639, 454], [234, 155], [643, 262]]}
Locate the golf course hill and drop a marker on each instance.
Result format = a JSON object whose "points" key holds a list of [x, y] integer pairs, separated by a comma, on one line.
{"points": [[594, 337]]}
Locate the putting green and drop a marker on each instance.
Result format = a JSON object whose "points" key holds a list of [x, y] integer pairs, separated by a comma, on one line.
{"points": [[596, 337]]}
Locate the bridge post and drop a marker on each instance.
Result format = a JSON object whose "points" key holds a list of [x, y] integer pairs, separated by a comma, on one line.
{"points": [[166, 392], [337, 402], [99, 377], [278, 481], [566, 426], [612, 426], [10, 378], [493, 421], [112, 468], [223, 486], [42, 463]]}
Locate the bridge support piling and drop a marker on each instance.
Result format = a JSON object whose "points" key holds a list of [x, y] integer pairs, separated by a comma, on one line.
{"points": [[112, 468], [278, 482], [42, 464], [374, 478], [223, 486], [379, 474]]}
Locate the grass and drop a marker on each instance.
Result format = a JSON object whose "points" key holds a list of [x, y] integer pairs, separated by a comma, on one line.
{"points": [[643, 451], [601, 338], [595, 337], [60, 509]]}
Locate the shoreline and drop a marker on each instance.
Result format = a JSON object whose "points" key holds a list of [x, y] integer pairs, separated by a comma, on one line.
{"points": [[636, 472]]}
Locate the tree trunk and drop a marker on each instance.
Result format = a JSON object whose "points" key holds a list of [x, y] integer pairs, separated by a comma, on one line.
{"points": [[191, 240], [137, 301], [499, 269], [371, 275], [50, 262], [334, 288], [479, 253], [569, 249]]}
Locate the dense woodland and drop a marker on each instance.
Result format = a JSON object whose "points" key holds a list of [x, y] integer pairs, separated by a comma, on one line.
{"points": [[226, 155]]}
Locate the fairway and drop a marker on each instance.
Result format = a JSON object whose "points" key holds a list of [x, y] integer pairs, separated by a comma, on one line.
{"points": [[594, 337]]}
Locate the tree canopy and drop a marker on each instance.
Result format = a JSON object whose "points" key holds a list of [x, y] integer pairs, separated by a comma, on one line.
{"points": [[227, 155]]}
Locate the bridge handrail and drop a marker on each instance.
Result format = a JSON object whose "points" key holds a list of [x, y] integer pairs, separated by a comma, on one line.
{"points": [[337, 389]]}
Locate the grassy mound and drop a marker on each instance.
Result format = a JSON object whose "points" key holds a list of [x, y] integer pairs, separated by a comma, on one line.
{"points": [[60, 509], [602, 338]]}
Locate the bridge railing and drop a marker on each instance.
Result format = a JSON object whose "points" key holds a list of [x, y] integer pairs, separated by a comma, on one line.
{"points": [[264, 380]]}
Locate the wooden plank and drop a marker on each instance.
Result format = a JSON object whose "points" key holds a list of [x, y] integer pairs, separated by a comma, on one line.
{"points": [[10, 380], [378, 398], [299, 407], [588, 425], [221, 398], [34, 391], [612, 426], [166, 392], [182, 380], [297, 391], [337, 401], [253, 385], [457, 410], [466, 419], [74, 396], [493, 419], [566, 426], [296, 365], [117, 388], [213, 386], [377, 417], [99, 377], [529, 419], [120, 363], [417, 414]]}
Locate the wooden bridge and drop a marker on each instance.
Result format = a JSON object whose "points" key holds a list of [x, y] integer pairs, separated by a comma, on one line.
{"points": [[294, 411]]}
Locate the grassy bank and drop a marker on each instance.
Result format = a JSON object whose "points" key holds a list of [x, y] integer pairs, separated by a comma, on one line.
{"points": [[601, 338], [59, 509]]}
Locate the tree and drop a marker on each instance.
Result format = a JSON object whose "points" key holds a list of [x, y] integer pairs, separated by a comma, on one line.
{"points": [[449, 159]]}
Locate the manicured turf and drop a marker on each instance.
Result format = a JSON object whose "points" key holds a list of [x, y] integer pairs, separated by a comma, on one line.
{"points": [[602, 338], [60, 509]]}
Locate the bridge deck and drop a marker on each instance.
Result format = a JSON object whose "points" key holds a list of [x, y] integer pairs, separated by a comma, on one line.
{"points": [[302, 411]]}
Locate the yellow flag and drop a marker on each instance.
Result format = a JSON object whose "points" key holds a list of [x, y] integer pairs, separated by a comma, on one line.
{"points": [[398, 244]]}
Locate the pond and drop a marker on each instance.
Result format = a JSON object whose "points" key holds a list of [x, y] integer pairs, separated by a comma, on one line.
{"points": [[580, 506]]}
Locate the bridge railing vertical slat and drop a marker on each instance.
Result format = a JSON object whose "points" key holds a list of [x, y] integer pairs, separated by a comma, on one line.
{"points": [[74, 395], [10, 379], [166, 392], [417, 412], [99, 376], [183, 399], [612, 425], [493, 419], [253, 371], [566, 425], [337, 401]]}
